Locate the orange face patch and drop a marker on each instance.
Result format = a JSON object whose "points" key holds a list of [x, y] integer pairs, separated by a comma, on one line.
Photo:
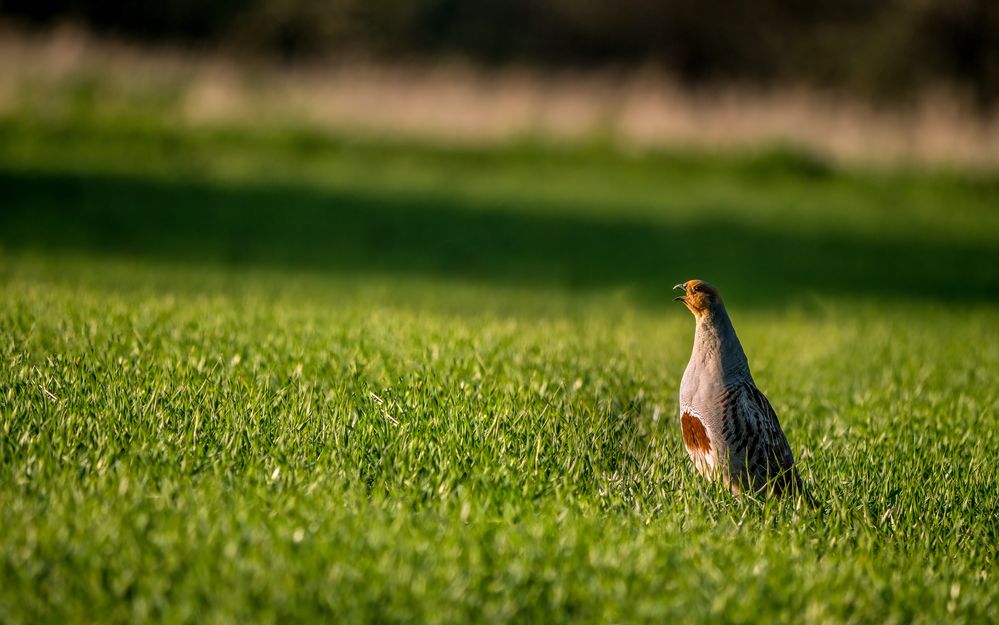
{"points": [[700, 286], [695, 437], [699, 296]]}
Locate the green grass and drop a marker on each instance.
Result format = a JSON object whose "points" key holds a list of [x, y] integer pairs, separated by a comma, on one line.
{"points": [[256, 376]]}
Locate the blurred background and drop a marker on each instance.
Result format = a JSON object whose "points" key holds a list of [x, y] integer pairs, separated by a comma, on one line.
{"points": [[848, 148], [907, 79]]}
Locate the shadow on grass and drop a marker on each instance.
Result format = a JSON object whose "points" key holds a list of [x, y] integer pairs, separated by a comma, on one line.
{"points": [[358, 233]]}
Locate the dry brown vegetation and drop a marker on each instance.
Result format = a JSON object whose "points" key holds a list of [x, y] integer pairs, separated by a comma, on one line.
{"points": [[455, 102]]}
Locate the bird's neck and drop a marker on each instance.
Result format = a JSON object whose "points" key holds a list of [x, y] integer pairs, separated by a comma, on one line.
{"points": [[716, 346]]}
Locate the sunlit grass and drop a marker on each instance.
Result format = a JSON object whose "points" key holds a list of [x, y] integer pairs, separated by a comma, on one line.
{"points": [[232, 420]]}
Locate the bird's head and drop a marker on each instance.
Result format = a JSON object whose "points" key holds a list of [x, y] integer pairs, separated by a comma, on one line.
{"points": [[698, 296]]}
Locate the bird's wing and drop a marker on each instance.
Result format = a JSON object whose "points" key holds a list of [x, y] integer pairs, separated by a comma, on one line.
{"points": [[756, 440]]}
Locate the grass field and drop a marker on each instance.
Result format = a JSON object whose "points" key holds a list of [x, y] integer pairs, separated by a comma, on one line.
{"points": [[259, 376]]}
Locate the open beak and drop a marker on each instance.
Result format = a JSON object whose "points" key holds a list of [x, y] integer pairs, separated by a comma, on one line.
{"points": [[680, 287]]}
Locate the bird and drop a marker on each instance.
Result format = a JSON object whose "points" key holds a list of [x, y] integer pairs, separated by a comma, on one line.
{"points": [[729, 428]]}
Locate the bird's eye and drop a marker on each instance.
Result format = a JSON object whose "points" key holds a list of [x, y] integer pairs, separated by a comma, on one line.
{"points": [[697, 288]]}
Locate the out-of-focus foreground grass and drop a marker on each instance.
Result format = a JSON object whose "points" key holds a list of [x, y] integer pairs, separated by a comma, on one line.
{"points": [[252, 375]]}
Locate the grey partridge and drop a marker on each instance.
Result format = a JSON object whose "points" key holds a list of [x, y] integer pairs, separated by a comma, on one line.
{"points": [[730, 430]]}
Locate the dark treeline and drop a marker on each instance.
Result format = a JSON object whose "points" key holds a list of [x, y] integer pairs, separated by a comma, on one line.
{"points": [[888, 49]]}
